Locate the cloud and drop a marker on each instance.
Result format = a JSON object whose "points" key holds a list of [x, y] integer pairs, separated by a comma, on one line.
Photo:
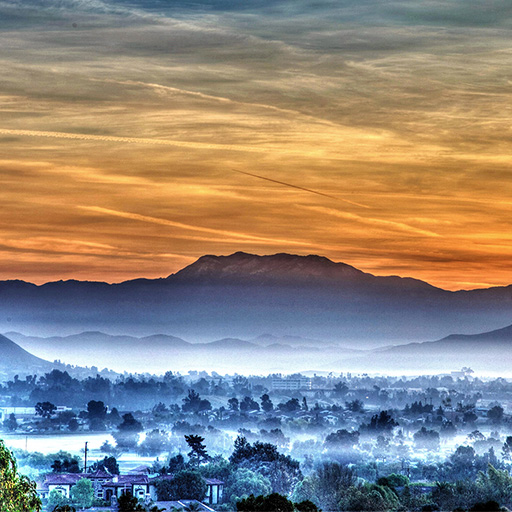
{"points": [[146, 106], [380, 223], [181, 225]]}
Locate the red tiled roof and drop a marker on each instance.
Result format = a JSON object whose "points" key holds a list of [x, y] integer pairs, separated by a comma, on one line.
{"points": [[63, 478], [98, 474]]}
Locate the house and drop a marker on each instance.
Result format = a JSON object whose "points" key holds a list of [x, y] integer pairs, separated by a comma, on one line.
{"points": [[214, 491], [60, 482], [63, 482], [137, 485], [107, 486]]}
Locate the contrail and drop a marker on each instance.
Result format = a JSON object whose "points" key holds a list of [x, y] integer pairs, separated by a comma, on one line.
{"points": [[136, 140], [183, 144], [220, 99], [316, 192]]}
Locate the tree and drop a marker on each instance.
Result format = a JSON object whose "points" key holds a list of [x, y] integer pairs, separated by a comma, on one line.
{"points": [[155, 443], [56, 499], [233, 404], [266, 403], [114, 417], [282, 471], [394, 480], [243, 482], [127, 435], [45, 409], [340, 389], [273, 502], [355, 406], [506, 451], [194, 403], [306, 506], [186, 485], [96, 410], [17, 492], [495, 414], [369, 497], [108, 464], [82, 493], [495, 485], [329, 482], [382, 422], [293, 405], [342, 439], [96, 413], [176, 463], [11, 423], [67, 464], [427, 439], [129, 503], [248, 404], [73, 425], [198, 453]]}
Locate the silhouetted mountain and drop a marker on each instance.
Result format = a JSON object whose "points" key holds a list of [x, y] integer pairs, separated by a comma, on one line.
{"points": [[243, 295], [279, 268]]}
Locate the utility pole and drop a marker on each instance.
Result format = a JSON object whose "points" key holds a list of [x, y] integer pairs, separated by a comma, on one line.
{"points": [[85, 463]]}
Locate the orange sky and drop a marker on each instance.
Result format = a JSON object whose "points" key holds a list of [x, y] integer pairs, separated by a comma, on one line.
{"points": [[120, 138]]}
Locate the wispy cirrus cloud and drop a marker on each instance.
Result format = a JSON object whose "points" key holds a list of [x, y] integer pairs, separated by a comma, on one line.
{"points": [[146, 106]]}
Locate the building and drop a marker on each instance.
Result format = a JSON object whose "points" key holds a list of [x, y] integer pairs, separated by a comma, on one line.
{"points": [[291, 384], [63, 482], [25, 413], [107, 486], [214, 491]]}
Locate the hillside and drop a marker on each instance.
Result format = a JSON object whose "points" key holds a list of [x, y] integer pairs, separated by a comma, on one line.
{"points": [[14, 359], [489, 351]]}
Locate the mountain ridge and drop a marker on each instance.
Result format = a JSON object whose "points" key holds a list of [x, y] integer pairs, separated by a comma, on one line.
{"points": [[242, 295], [238, 264]]}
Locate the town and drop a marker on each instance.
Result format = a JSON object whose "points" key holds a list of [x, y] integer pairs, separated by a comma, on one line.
{"points": [[209, 442]]}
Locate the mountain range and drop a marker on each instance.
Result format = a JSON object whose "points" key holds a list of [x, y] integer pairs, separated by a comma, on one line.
{"points": [[159, 353], [243, 295], [487, 353]]}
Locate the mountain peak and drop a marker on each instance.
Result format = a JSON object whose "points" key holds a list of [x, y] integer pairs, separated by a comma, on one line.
{"points": [[282, 267]]}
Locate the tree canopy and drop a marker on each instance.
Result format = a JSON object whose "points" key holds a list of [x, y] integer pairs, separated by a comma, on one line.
{"points": [[17, 492]]}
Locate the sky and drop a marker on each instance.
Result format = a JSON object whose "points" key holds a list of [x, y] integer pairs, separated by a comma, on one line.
{"points": [[137, 136]]}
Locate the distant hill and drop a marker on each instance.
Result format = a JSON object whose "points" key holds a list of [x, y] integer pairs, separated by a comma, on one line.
{"points": [[15, 360], [488, 351], [159, 353], [266, 340], [243, 295], [13, 355]]}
